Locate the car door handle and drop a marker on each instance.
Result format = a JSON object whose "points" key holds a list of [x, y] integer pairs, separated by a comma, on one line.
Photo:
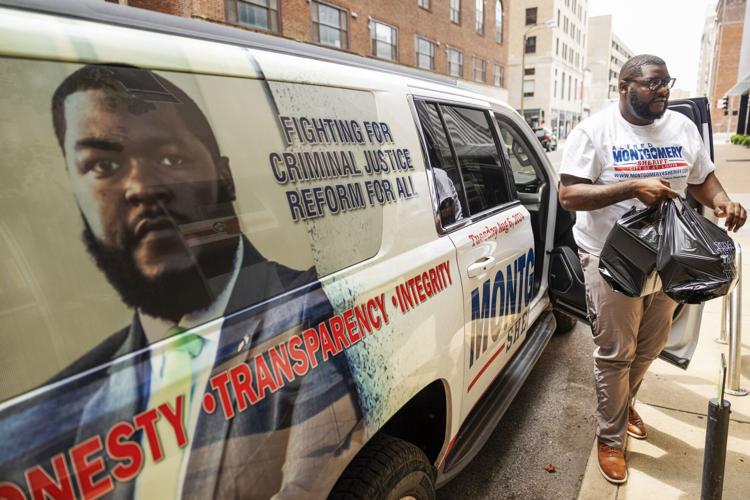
{"points": [[480, 267]]}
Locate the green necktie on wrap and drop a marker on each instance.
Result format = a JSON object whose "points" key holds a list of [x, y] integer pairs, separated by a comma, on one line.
{"points": [[161, 479]]}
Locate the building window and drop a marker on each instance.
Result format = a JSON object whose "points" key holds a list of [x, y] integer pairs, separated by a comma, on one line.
{"points": [[425, 53], [455, 63], [480, 69], [329, 25], [528, 88], [558, 18], [425, 4], [554, 92], [530, 47], [384, 40], [557, 46], [498, 21], [260, 14], [570, 84], [530, 16], [456, 11], [562, 89], [529, 71], [565, 51], [479, 19], [499, 76]]}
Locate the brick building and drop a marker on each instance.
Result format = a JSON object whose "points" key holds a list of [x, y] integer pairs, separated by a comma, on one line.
{"points": [[465, 39], [730, 15]]}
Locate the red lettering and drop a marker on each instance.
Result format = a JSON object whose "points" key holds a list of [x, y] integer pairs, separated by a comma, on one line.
{"points": [[380, 301], [337, 326], [297, 353], [86, 469], [9, 491], [242, 379], [147, 422], [408, 302], [264, 377], [376, 322], [426, 284], [176, 418], [420, 291], [312, 344], [413, 289], [435, 282], [282, 367], [41, 485], [363, 319], [329, 347], [447, 268], [220, 382], [351, 327], [122, 450]]}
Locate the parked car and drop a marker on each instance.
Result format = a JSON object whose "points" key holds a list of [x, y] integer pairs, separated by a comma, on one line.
{"points": [[246, 267], [547, 138]]}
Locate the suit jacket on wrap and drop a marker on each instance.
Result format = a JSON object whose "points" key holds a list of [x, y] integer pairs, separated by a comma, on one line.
{"points": [[281, 446]]}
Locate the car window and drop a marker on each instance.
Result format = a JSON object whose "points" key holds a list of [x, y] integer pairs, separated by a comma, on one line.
{"points": [[523, 163], [451, 199], [482, 170]]}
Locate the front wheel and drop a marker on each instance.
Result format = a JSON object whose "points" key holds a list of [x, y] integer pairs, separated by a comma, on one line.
{"points": [[387, 468]]}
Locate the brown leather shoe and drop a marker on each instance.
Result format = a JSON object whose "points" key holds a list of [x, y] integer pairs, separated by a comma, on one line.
{"points": [[612, 463], [636, 427]]}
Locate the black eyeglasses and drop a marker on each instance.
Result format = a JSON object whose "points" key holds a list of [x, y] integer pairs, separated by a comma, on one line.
{"points": [[655, 84]]}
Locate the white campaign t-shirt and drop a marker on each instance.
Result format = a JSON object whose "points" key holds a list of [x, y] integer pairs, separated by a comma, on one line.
{"points": [[606, 149]]}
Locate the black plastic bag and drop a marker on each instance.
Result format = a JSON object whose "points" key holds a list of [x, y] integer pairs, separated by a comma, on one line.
{"points": [[628, 258], [696, 258]]}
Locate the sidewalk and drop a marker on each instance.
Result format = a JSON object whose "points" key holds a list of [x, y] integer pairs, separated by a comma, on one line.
{"points": [[673, 402]]}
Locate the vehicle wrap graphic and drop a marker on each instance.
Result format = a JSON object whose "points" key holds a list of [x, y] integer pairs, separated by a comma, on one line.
{"points": [[499, 308]]}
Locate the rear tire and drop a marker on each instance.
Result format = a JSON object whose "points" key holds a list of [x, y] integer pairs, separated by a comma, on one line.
{"points": [[565, 323], [387, 468]]}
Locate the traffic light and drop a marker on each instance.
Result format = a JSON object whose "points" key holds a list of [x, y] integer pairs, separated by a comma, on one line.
{"points": [[541, 117], [724, 101]]}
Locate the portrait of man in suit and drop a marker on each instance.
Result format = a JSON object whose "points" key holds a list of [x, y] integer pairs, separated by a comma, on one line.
{"points": [[156, 197]]}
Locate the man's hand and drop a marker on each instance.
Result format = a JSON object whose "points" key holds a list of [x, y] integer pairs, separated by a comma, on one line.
{"points": [[733, 211], [653, 190]]}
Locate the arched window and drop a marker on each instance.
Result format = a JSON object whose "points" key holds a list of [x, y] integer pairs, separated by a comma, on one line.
{"points": [[498, 21]]}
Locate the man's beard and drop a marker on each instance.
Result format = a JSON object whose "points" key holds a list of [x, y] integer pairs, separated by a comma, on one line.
{"points": [[171, 295], [642, 110]]}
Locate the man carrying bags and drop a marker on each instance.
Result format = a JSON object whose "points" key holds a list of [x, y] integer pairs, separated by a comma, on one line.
{"points": [[636, 153]]}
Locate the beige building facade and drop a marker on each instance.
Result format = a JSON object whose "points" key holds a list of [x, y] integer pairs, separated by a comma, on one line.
{"points": [[547, 61], [707, 50], [605, 59]]}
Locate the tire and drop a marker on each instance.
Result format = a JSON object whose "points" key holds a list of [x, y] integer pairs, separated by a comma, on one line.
{"points": [[565, 323], [387, 468]]}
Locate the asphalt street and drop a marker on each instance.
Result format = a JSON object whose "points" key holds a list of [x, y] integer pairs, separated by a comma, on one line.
{"points": [[550, 422]]}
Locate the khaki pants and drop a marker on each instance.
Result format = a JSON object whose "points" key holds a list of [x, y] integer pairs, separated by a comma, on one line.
{"points": [[629, 333]]}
